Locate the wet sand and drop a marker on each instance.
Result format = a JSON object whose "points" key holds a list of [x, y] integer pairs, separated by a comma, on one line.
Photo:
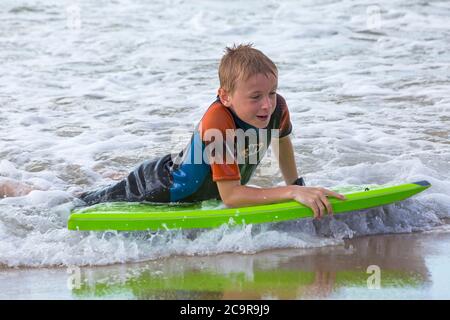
{"points": [[409, 266]]}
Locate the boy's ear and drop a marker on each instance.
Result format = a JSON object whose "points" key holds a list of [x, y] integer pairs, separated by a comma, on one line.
{"points": [[224, 97]]}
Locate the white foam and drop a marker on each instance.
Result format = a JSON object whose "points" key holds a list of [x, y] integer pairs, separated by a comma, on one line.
{"points": [[80, 105], [8, 169]]}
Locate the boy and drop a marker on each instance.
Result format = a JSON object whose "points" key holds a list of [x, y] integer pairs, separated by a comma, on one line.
{"points": [[226, 147]]}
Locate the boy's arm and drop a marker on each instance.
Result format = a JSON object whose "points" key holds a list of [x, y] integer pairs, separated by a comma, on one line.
{"points": [[233, 194], [286, 161]]}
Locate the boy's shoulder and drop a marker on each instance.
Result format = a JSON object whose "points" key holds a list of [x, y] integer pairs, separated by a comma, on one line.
{"points": [[281, 101], [217, 116]]}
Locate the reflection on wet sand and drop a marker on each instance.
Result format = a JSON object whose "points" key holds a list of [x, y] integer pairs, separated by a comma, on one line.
{"points": [[281, 274]]}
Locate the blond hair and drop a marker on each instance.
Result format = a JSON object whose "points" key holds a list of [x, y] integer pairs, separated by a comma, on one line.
{"points": [[240, 62]]}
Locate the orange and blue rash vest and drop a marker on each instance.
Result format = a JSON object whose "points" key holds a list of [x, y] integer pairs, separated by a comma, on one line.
{"points": [[222, 147]]}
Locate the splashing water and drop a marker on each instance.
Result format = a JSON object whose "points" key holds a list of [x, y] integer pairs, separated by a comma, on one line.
{"points": [[90, 92]]}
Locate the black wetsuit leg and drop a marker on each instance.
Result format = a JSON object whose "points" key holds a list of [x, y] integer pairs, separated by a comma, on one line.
{"points": [[114, 192], [150, 181]]}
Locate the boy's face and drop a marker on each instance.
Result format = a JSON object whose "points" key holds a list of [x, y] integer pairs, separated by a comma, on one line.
{"points": [[254, 100]]}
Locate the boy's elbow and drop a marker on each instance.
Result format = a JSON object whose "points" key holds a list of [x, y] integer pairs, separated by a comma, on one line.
{"points": [[230, 193], [229, 203]]}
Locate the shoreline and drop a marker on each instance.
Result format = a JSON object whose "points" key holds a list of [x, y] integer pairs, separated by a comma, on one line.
{"points": [[410, 266]]}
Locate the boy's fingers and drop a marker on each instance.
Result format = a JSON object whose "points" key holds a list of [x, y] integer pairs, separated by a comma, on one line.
{"points": [[327, 204], [321, 207], [315, 210], [335, 194]]}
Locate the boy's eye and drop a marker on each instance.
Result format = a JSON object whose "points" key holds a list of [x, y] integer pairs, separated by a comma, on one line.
{"points": [[259, 96]]}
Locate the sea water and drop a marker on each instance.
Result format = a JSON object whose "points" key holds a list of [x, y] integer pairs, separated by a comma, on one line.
{"points": [[88, 90]]}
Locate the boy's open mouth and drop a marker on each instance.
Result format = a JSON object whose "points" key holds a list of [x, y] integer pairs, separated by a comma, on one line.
{"points": [[263, 117]]}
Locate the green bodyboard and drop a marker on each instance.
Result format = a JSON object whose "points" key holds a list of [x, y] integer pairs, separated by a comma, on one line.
{"points": [[130, 216]]}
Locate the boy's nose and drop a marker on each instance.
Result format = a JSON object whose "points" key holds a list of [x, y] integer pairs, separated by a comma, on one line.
{"points": [[266, 103]]}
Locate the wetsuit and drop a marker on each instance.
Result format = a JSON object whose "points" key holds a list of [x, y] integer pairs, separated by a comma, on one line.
{"points": [[188, 177]]}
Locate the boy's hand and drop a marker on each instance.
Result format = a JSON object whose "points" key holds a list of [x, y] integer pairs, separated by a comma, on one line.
{"points": [[234, 195], [316, 199]]}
